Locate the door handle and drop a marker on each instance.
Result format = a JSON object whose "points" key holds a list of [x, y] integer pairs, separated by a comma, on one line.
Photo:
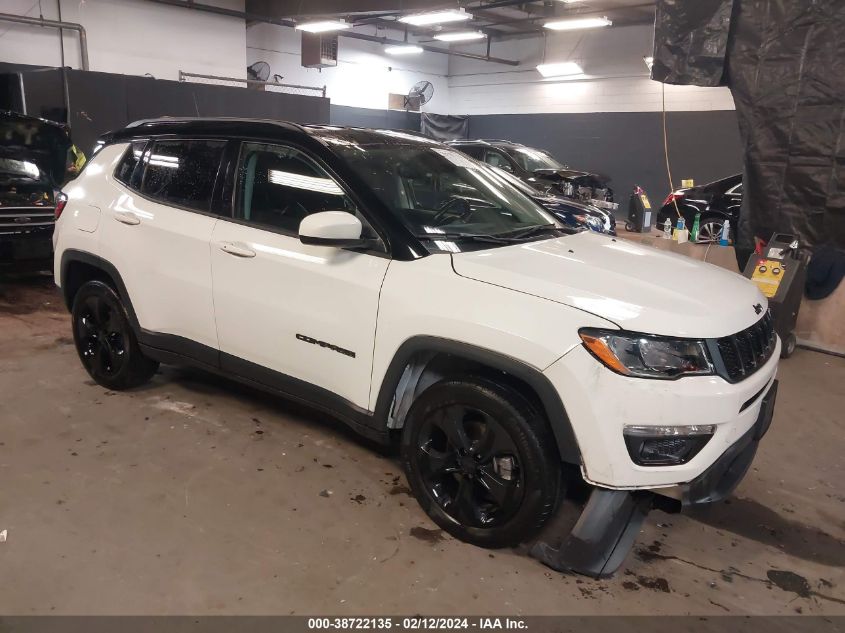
{"points": [[125, 217], [236, 249]]}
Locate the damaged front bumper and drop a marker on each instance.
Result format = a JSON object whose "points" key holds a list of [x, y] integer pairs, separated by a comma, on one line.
{"points": [[611, 519]]}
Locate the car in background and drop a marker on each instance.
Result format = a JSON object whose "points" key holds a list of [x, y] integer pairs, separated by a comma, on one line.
{"points": [[569, 212], [33, 166], [716, 202], [541, 170]]}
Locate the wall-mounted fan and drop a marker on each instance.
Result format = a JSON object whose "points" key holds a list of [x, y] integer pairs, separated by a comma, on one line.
{"points": [[259, 71], [420, 94]]}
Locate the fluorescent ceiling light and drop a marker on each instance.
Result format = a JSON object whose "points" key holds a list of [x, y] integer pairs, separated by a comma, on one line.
{"points": [[460, 36], [402, 50], [323, 26], [561, 69], [436, 17], [577, 23]]}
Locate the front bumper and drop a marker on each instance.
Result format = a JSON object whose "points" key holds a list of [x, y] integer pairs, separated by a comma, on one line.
{"points": [[26, 249], [600, 403], [720, 480]]}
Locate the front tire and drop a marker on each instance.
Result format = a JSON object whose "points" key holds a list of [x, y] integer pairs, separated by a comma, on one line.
{"points": [[105, 341], [481, 461]]}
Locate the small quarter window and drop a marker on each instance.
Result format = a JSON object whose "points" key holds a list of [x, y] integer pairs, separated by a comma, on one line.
{"points": [[130, 160]]}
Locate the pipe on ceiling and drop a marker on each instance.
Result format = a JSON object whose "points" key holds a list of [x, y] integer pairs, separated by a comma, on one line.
{"points": [[56, 24], [186, 4]]}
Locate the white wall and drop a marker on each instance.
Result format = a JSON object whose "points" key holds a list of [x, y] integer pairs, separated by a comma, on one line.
{"points": [[616, 78], [132, 37], [364, 76]]}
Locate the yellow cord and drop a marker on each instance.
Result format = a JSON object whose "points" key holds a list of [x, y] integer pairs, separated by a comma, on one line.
{"points": [[666, 149]]}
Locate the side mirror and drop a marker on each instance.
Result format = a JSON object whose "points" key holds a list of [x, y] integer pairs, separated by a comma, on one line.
{"points": [[340, 229]]}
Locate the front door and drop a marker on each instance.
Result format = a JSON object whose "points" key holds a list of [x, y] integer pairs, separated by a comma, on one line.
{"points": [[305, 312]]}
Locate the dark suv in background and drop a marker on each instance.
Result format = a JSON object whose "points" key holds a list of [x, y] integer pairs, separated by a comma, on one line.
{"points": [[541, 170], [33, 165]]}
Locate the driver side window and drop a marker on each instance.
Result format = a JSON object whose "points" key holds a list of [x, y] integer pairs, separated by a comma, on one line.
{"points": [[278, 186], [497, 160]]}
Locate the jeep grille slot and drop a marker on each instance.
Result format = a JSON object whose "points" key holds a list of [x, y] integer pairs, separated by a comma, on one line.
{"points": [[745, 352]]}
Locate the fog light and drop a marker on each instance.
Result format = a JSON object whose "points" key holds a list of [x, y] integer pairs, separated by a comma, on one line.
{"points": [[666, 445]]}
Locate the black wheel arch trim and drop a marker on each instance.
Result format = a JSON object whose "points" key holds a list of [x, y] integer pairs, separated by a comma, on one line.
{"points": [[71, 256], [555, 411]]}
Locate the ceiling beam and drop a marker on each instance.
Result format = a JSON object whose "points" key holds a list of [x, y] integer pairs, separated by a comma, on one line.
{"points": [[296, 8]]}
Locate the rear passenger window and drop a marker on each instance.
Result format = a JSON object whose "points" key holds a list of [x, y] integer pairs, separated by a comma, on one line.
{"points": [[130, 159], [182, 173]]}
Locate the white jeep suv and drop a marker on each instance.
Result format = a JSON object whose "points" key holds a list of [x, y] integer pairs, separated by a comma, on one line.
{"points": [[403, 287]]}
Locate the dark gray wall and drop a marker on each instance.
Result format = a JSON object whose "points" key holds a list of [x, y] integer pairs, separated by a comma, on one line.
{"points": [[367, 117], [101, 102], [628, 146]]}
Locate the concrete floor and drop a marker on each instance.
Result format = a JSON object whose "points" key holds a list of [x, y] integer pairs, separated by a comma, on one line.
{"points": [[193, 495]]}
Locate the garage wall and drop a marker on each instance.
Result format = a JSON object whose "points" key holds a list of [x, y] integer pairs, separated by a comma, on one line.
{"points": [[364, 75], [610, 119], [132, 37], [615, 78]]}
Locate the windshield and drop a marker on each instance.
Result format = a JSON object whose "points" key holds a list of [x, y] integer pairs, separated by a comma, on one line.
{"points": [[439, 191], [533, 159]]}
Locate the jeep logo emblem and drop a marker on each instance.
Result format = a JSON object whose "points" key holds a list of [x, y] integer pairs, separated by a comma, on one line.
{"points": [[758, 308]]}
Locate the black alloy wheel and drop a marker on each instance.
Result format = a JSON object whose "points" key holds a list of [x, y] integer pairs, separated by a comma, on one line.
{"points": [[105, 341], [470, 466], [481, 461]]}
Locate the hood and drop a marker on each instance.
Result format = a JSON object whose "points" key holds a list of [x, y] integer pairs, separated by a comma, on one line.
{"points": [[639, 288], [570, 174], [27, 142]]}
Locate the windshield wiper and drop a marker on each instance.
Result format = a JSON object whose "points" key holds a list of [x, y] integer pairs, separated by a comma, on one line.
{"points": [[470, 237], [531, 231]]}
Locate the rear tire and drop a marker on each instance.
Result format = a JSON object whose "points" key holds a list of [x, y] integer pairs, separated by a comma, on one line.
{"points": [[481, 461], [710, 229], [105, 341]]}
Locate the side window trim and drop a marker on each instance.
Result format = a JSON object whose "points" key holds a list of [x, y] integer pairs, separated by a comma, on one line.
{"points": [[232, 185]]}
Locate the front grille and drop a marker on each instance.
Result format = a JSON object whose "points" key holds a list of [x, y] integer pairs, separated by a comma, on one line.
{"points": [[745, 352], [20, 219]]}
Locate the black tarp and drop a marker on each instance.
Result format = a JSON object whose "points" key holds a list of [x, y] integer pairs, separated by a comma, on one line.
{"points": [[444, 127], [784, 62]]}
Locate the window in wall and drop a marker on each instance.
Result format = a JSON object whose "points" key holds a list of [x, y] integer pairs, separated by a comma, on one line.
{"points": [[182, 172]]}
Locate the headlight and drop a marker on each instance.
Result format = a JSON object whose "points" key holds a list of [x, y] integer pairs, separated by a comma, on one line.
{"points": [[647, 356], [591, 221]]}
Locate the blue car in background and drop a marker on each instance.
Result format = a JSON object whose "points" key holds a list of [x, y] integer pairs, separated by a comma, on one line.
{"points": [[569, 212]]}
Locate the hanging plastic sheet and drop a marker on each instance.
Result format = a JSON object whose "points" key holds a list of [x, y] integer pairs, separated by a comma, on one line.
{"points": [[444, 127], [784, 61]]}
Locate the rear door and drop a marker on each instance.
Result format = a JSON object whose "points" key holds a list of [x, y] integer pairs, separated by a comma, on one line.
{"points": [[156, 232], [301, 312]]}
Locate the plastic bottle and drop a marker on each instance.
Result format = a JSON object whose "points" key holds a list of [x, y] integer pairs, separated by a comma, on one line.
{"points": [[695, 228], [667, 229], [724, 238], [680, 226]]}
